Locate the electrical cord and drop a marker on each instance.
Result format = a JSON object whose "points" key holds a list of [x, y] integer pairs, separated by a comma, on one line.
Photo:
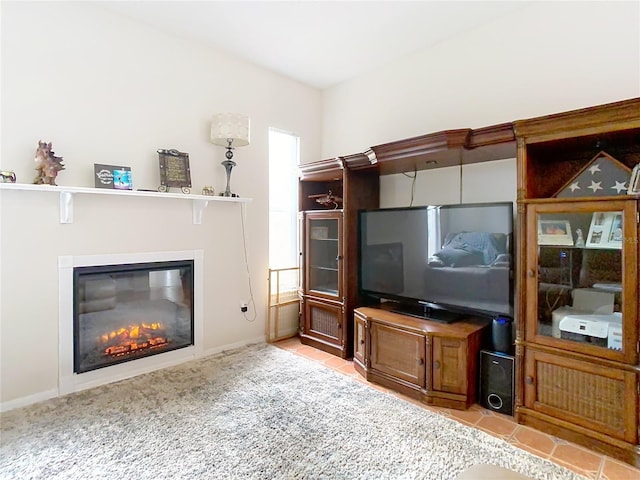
{"points": [[246, 264], [461, 181], [413, 183]]}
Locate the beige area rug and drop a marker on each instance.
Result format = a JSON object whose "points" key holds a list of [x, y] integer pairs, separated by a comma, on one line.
{"points": [[254, 413]]}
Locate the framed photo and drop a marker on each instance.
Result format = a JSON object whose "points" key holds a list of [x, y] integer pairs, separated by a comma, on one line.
{"points": [[554, 232], [605, 230], [112, 177], [319, 233], [634, 181]]}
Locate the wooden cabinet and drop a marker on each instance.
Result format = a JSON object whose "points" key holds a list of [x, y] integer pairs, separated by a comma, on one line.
{"points": [[330, 194], [431, 361], [578, 342]]}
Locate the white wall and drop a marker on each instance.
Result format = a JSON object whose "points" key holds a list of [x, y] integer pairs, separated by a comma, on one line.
{"points": [[105, 89], [546, 58]]}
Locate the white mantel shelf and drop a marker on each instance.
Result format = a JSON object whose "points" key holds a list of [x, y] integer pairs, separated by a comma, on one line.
{"points": [[199, 202]]}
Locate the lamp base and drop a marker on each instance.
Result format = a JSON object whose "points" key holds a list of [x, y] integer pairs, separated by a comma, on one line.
{"points": [[228, 165]]}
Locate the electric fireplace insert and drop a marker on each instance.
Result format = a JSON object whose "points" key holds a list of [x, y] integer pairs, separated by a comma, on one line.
{"points": [[130, 311]]}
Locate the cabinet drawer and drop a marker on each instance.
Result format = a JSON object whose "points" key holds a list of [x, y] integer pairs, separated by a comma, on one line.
{"points": [[398, 353], [598, 398]]}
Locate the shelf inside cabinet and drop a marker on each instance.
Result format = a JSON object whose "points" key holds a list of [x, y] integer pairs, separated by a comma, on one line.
{"points": [[319, 267], [328, 290]]}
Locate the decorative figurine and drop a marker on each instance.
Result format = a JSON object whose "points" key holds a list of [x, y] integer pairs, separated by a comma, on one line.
{"points": [[579, 238], [47, 164]]}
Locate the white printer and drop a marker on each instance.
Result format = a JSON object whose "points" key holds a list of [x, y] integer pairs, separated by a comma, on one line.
{"points": [[591, 319], [601, 330]]}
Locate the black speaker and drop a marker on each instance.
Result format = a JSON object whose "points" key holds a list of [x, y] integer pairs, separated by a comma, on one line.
{"points": [[502, 334], [496, 381]]}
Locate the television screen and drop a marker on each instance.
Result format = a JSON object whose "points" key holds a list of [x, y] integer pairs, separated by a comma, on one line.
{"points": [[439, 261]]}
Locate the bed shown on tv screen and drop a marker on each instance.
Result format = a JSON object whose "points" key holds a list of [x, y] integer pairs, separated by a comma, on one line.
{"points": [[439, 261]]}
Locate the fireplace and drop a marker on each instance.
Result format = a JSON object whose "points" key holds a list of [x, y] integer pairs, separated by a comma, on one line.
{"points": [[129, 311]]}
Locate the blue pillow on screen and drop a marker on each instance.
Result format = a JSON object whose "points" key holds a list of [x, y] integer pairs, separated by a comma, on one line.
{"points": [[457, 257]]}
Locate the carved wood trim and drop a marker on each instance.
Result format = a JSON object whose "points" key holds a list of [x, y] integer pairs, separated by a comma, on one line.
{"points": [[592, 120], [329, 169]]}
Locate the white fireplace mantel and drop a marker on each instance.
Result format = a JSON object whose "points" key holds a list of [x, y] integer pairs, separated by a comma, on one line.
{"points": [[67, 194]]}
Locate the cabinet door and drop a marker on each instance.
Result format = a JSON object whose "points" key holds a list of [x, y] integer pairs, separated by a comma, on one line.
{"points": [[301, 249], [323, 254], [582, 278], [324, 321], [595, 397], [398, 353], [359, 339], [449, 365]]}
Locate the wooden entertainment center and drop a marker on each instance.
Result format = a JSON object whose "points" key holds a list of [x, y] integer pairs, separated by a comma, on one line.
{"points": [[575, 377], [433, 362]]}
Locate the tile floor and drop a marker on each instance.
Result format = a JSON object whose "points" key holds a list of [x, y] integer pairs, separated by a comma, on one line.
{"points": [[581, 460]]}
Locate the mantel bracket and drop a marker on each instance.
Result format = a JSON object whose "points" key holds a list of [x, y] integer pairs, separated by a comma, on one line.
{"points": [[66, 207], [198, 207]]}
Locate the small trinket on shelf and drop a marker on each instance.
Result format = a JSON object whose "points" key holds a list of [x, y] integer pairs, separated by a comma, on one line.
{"points": [[327, 200]]}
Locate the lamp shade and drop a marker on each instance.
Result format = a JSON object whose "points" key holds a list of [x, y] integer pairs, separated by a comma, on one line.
{"points": [[230, 129]]}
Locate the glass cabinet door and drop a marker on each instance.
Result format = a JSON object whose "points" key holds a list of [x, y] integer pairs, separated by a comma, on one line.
{"points": [[323, 254], [582, 269]]}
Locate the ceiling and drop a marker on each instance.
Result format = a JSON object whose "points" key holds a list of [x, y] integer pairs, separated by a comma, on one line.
{"points": [[318, 43]]}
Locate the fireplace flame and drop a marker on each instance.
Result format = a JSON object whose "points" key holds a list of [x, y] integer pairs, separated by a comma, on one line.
{"points": [[126, 340]]}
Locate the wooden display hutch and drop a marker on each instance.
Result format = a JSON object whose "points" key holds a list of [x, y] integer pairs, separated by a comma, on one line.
{"points": [[330, 194], [433, 362], [577, 365]]}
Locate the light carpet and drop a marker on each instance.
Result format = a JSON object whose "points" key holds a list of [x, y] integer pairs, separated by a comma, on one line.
{"points": [[254, 413]]}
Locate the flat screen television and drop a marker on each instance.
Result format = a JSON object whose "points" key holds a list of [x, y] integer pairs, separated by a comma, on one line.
{"points": [[439, 261]]}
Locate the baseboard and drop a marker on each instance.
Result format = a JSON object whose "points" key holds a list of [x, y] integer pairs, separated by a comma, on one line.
{"points": [[54, 393], [28, 400], [231, 346]]}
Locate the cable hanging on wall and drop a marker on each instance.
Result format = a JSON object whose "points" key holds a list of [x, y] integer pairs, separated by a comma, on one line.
{"points": [[460, 179], [413, 183], [246, 263]]}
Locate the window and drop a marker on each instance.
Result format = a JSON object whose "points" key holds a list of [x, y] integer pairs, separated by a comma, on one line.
{"points": [[284, 154]]}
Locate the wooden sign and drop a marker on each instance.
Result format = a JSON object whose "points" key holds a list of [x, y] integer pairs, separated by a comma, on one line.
{"points": [[174, 170]]}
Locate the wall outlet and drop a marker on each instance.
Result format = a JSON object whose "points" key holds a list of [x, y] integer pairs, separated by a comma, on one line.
{"points": [[243, 307]]}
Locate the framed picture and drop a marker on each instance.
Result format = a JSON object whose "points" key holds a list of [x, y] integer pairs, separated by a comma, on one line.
{"points": [[174, 170], [605, 230], [319, 233], [634, 181], [554, 232], [112, 177]]}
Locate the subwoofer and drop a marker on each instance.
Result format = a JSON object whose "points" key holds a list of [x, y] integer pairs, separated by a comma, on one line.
{"points": [[496, 381]]}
